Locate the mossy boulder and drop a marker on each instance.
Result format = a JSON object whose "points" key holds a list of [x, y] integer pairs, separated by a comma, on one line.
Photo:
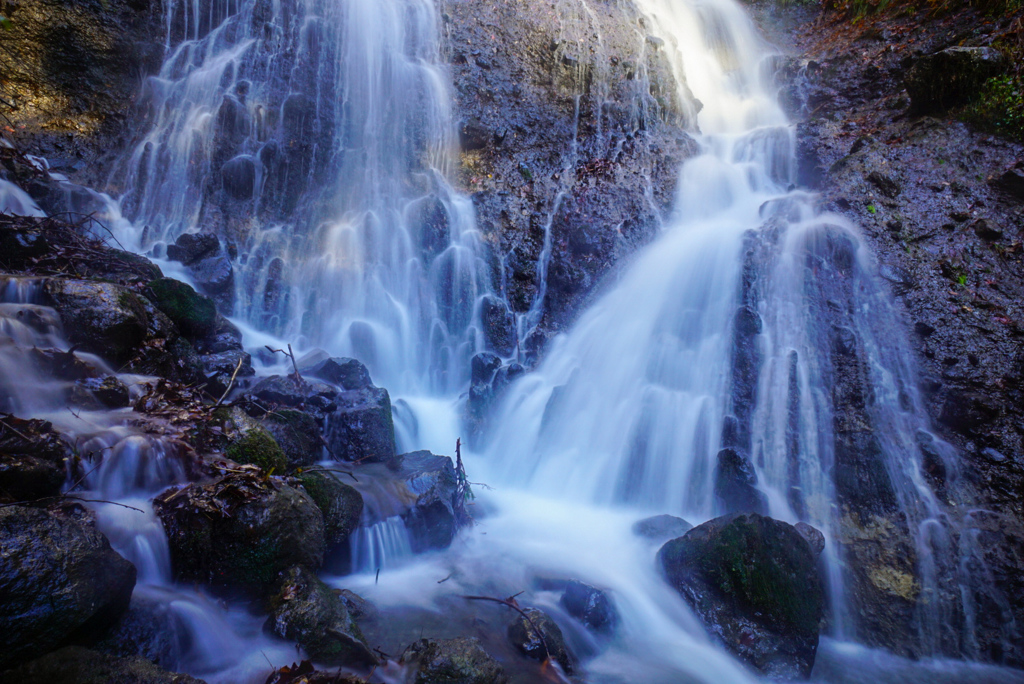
{"points": [[194, 314], [238, 533], [754, 583], [308, 612], [77, 665], [341, 504], [298, 433], [58, 578], [453, 661], [31, 460], [258, 447], [362, 428]]}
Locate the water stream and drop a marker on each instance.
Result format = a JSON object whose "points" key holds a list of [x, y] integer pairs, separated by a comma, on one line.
{"points": [[315, 138]]}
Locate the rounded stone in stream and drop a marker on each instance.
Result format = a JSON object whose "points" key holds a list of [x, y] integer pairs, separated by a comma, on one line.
{"points": [[239, 532], [453, 661], [191, 247], [310, 395], [661, 527], [549, 643], [590, 606], [58, 578], [257, 447], [214, 275], [362, 428], [306, 611], [754, 583], [349, 374], [238, 177], [340, 504], [94, 393], [77, 665]]}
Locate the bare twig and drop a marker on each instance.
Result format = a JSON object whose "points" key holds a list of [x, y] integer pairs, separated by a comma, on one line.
{"points": [[510, 602], [15, 431], [291, 355], [231, 383]]}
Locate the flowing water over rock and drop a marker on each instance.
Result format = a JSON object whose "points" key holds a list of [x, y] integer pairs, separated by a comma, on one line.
{"points": [[747, 359]]}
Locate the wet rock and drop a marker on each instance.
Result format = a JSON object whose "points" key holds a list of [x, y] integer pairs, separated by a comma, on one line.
{"points": [[358, 607], [499, 326], [483, 367], [255, 446], [736, 484], [661, 527], [193, 314], [191, 247], [754, 583], [987, 229], [146, 629], [362, 428], [340, 504], [549, 643], [215, 275], [306, 611], [346, 373], [240, 531], [885, 184], [430, 216], [77, 665], [431, 483], [453, 661], [225, 337], [297, 433], [1012, 183], [813, 535], [238, 177], [218, 369], [108, 392], [59, 577], [103, 318], [30, 468], [950, 77], [312, 396], [590, 606]]}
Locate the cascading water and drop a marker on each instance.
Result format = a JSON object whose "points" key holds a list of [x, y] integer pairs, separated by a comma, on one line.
{"points": [[314, 138]]}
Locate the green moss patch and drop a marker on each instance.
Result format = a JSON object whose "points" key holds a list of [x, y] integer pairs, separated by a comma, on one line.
{"points": [[194, 314], [257, 447]]}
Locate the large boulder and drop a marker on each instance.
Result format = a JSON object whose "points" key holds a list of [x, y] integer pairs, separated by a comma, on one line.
{"points": [[306, 611], [950, 77], [31, 460], [255, 446], [537, 636], [754, 583], [102, 318], [58, 578], [340, 504], [346, 373], [77, 665], [362, 428], [453, 661], [240, 531], [191, 247]]}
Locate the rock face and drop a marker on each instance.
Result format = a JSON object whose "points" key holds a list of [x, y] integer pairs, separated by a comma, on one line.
{"points": [[754, 583], [736, 484], [950, 77], [77, 665], [549, 643], [453, 661], [589, 153], [305, 610], [106, 319], [58, 577], [298, 435], [240, 531]]}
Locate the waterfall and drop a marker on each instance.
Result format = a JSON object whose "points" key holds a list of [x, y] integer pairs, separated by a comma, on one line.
{"points": [[314, 138]]}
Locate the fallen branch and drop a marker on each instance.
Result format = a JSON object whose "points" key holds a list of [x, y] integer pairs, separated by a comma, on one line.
{"points": [[510, 602], [291, 355], [231, 383]]}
